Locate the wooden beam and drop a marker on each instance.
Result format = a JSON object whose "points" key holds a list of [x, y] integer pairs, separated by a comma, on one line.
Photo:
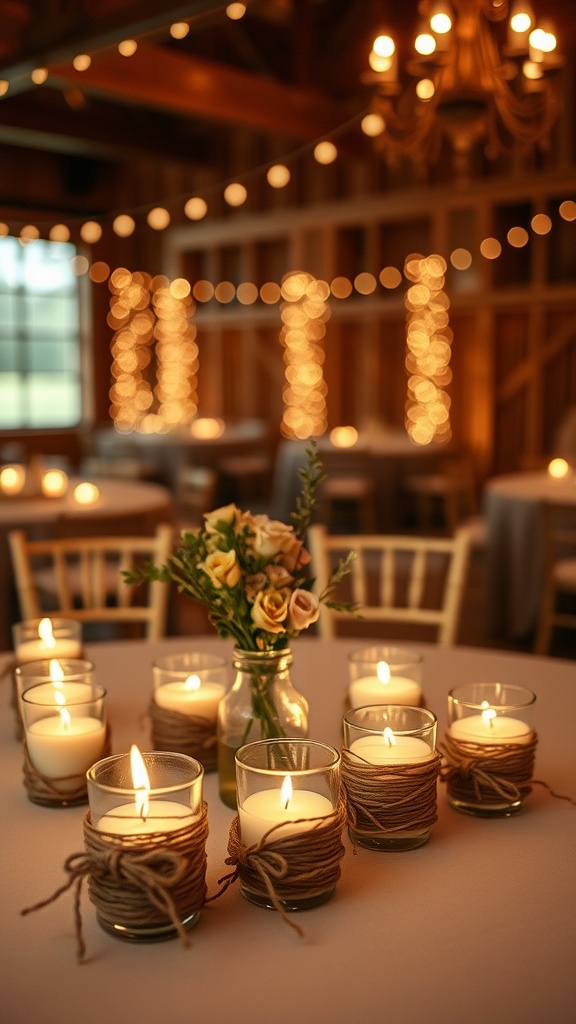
{"points": [[162, 78]]}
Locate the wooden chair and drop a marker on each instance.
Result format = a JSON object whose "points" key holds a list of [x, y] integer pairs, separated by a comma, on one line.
{"points": [[558, 523], [81, 578], [450, 489], [395, 579]]}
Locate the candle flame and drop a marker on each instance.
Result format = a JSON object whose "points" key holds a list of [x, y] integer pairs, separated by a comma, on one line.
{"points": [[383, 672], [140, 781], [192, 683], [56, 672], [45, 632], [60, 700], [286, 792], [389, 738], [558, 468], [487, 714]]}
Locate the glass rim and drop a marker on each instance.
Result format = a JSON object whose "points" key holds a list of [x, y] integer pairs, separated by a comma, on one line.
{"points": [[216, 661], [32, 667], [432, 719], [296, 772], [402, 655], [74, 702], [59, 620], [154, 791], [525, 701]]}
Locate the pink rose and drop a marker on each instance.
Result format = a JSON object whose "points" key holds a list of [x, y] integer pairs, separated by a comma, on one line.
{"points": [[278, 576], [271, 537], [270, 609], [221, 567], [303, 609]]}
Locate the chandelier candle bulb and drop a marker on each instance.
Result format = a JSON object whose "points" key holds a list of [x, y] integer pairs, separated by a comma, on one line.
{"points": [[385, 675]]}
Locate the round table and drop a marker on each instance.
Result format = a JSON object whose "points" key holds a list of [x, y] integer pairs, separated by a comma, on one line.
{"points": [[514, 552]]}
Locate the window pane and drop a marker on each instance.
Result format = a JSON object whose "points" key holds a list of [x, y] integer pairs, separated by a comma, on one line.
{"points": [[52, 401]]}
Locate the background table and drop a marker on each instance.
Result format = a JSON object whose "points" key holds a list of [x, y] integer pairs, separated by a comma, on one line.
{"points": [[515, 558], [477, 925], [123, 507]]}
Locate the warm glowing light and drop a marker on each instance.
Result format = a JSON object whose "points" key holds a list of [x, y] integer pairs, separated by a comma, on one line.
{"points": [[192, 683], [207, 428], [127, 47], [79, 265], [490, 248], [99, 272], [235, 194], [140, 781], [532, 70], [520, 21], [90, 232], [286, 792], [278, 176], [179, 30], [203, 291], [389, 737], [487, 714], [517, 237], [12, 479], [567, 210], [235, 11], [341, 287], [461, 259], [390, 277], [558, 468], [123, 225], [54, 483], [46, 633], [425, 44], [247, 293], [383, 672], [29, 233], [56, 672], [344, 437], [4, 86], [158, 218], [373, 125], [82, 62], [196, 208], [541, 224], [224, 292], [59, 233], [541, 40], [86, 493], [384, 46], [39, 76], [440, 22], [425, 89], [325, 152]]}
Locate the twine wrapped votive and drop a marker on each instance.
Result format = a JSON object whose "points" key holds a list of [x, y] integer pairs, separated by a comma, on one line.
{"points": [[65, 731], [390, 771], [188, 688], [489, 748], [145, 838], [286, 842]]}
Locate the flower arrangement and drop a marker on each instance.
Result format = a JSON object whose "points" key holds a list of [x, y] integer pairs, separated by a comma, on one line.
{"points": [[250, 571]]}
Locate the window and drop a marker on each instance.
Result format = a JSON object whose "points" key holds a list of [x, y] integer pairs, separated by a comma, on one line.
{"points": [[40, 382]]}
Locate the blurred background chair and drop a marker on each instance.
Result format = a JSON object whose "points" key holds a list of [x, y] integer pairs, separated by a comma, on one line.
{"points": [[446, 496], [398, 580], [195, 494], [558, 605], [81, 578]]}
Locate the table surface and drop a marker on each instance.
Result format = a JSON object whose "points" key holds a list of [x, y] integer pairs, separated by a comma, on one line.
{"points": [[538, 486], [478, 924], [116, 498]]}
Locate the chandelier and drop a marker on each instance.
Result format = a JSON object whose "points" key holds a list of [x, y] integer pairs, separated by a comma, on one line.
{"points": [[482, 72]]}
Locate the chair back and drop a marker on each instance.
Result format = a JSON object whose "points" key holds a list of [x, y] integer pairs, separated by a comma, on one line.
{"points": [[395, 579], [195, 493], [558, 532], [81, 578]]}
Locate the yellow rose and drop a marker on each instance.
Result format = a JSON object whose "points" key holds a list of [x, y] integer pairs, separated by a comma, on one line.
{"points": [[303, 610], [270, 609], [222, 567], [228, 514]]}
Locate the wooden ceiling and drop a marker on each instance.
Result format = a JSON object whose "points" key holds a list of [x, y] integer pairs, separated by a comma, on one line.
{"points": [[290, 69]]}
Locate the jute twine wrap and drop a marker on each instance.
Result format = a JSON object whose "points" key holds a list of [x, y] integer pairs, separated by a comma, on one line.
{"points": [[390, 797], [145, 881], [487, 774], [49, 791], [185, 734], [296, 867]]}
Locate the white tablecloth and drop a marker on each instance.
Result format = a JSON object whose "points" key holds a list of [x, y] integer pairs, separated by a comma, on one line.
{"points": [[515, 556], [477, 925]]}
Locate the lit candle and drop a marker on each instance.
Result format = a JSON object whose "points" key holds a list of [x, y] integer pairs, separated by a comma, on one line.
{"points": [[63, 739], [86, 493], [384, 688], [47, 645], [391, 748], [489, 727], [12, 480], [264, 809], [191, 696], [141, 813], [54, 483]]}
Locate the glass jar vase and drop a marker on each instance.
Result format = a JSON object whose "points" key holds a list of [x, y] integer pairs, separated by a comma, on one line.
{"points": [[261, 704]]}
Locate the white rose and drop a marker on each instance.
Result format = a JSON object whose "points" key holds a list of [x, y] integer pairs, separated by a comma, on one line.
{"points": [[303, 609]]}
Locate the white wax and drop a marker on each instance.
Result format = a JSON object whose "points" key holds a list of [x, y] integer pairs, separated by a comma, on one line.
{"points": [[38, 650], [162, 816], [202, 701], [369, 690], [261, 811], [405, 749], [57, 749], [500, 729]]}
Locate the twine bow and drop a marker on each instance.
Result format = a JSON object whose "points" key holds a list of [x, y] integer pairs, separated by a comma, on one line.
{"points": [[496, 771]]}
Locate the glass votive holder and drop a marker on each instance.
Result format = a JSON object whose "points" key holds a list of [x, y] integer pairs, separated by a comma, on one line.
{"points": [[384, 674], [188, 688], [390, 771], [288, 793], [489, 748], [39, 639], [64, 733], [55, 671], [149, 811]]}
